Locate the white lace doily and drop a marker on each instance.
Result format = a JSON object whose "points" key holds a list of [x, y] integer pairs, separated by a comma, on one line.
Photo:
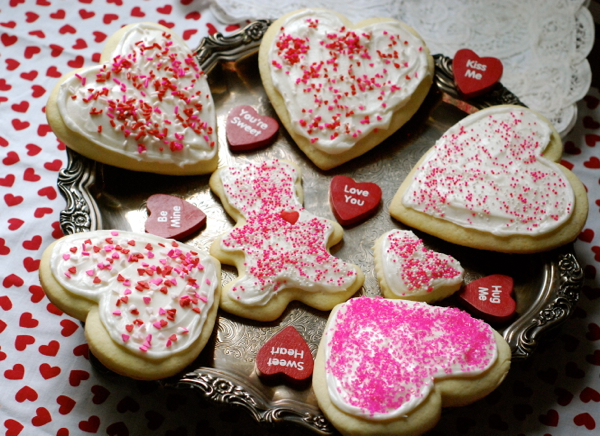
{"points": [[543, 44]]}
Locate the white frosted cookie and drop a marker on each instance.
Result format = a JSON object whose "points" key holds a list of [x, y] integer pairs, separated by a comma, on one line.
{"points": [[407, 269], [280, 249], [149, 303], [387, 367], [146, 106], [493, 182], [341, 88]]}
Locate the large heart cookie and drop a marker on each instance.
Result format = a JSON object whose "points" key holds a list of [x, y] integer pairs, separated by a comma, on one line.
{"points": [[280, 249], [149, 303], [388, 366], [407, 269], [339, 88], [146, 107], [492, 182]]}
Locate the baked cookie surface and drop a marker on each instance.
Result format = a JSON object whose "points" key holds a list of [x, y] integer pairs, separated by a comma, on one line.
{"points": [[149, 303], [146, 107], [341, 88]]}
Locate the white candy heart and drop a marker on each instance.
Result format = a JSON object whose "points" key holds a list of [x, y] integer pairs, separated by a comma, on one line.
{"points": [[148, 102]]}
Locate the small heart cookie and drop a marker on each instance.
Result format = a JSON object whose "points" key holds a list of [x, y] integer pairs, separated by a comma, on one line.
{"points": [[407, 269], [146, 107], [341, 88], [387, 367], [149, 303], [492, 182]]}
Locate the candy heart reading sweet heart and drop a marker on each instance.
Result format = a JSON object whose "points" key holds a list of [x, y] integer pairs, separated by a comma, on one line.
{"points": [[380, 359], [246, 129], [407, 269], [492, 182], [490, 298], [339, 88], [474, 75], [352, 201], [287, 355], [172, 217], [146, 107], [144, 299]]}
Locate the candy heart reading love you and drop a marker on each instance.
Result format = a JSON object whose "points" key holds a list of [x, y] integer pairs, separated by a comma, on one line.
{"points": [[146, 107], [386, 367], [341, 88], [351, 201], [492, 182], [149, 303]]}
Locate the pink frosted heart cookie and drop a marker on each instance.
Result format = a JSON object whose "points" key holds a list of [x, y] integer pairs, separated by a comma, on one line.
{"points": [[388, 366], [146, 107], [341, 88], [407, 269], [149, 303], [493, 182], [280, 249]]}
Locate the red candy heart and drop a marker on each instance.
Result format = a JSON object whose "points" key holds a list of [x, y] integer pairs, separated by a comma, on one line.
{"points": [[290, 216], [490, 297], [285, 355], [173, 217], [474, 75], [246, 129], [352, 201]]}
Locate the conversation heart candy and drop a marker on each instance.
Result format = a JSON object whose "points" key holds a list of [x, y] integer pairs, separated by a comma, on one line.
{"points": [[475, 75], [246, 129], [172, 217], [351, 201], [286, 355], [490, 298]]}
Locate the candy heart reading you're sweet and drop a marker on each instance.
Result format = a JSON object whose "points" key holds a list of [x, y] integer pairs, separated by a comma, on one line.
{"points": [[474, 75], [146, 107], [246, 129], [286, 354], [352, 201], [172, 217]]}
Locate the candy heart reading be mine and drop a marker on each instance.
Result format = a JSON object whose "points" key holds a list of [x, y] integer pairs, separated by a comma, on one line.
{"points": [[172, 217], [246, 129], [352, 201], [146, 107], [474, 75], [285, 355], [490, 298]]}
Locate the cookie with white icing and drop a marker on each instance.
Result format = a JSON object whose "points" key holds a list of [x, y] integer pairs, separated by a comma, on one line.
{"points": [[387, 367], [407, 269], [341, 88], [493, 182], [149, 303], [280, 249], [146, 106]]}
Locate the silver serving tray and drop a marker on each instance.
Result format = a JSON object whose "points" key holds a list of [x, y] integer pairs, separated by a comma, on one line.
{"points": [[98, 196]]}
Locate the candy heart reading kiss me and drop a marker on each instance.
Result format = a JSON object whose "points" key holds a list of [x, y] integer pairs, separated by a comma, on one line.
{"points": [[352, 201], [474, 75], [247, 130], [286, 354], [172, 217]]}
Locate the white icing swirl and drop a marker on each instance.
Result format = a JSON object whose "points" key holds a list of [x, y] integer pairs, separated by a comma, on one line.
{"points": [[383, 356], [154, 294], [341, 84], [487, 173], [278, 254], [150, 102], [410, 269]]}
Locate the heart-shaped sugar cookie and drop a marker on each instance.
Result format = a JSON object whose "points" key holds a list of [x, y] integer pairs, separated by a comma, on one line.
{"points": [[407, 269], [492, 182], [351, 201], [339, 88], [145, 299], [384, 361], [172, 217], [475, 75], [146, 107]]}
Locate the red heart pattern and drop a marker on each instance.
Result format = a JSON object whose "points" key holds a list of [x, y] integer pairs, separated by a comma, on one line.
{"points": [[25, 80]]}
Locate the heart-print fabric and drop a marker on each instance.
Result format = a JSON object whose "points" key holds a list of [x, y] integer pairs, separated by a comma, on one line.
{"points": [[487, 173], [412, 269], [149, 101], [153, 294], [384, 356], [341, 84]]}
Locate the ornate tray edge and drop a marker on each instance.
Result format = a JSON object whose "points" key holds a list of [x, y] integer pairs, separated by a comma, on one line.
{"points": [[81, 214]]}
